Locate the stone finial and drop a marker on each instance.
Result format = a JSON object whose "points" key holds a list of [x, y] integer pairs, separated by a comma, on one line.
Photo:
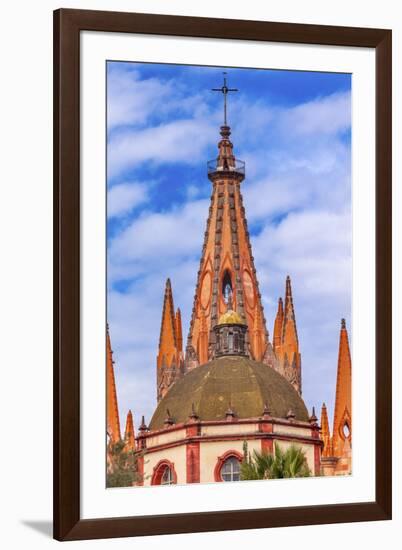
{"points": [[143, 427], [193, 415], [266, 412], [313, 418], [291, 415], [230, 414], [169, 421]]}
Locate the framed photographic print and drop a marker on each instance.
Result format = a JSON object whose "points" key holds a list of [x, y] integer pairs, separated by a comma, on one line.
{"points": [[222, 235]]}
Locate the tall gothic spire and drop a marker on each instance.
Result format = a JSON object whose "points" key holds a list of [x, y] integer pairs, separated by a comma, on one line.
{"points": [[289, 330], [286, 342], [227, 265], [112, 409], [129, 437], [325, 433], [179, 331], [167, 339], [278, 327], [342, 431], [169, 360]]}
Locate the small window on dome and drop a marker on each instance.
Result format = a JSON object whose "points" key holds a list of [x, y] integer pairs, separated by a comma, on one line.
{"points": [[346, 431], [230, 470]]}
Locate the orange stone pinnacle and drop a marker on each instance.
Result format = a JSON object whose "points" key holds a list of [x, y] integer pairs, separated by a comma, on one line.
{"points": [[167, 341], [342, 430], [286, 342], [170, 355], [179, 331], [278, 327], [325, 433], [129, 436], [112, 410]]}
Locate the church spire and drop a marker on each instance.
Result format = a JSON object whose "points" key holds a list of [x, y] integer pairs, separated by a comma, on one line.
{"points": [[289, 330], [112, 409], [286, 342], [168, 325], [278, 327], [325, 433], [342, 431], [170, 341], [129, 437], [227, 264], [179, 331]]}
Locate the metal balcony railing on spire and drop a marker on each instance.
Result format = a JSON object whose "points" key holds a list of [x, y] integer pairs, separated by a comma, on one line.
{"points": [[216, 165]]}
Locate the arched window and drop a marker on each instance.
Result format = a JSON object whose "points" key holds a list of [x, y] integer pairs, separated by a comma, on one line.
{"points": [[228, 466], [227, 288], [230, 470], [167, 476], [164, 473]]}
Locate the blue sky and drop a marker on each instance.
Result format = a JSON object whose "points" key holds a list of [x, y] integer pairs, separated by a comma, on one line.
{"points": [[293, 130]]}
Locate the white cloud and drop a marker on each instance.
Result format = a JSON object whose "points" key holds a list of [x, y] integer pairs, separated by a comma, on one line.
{"points": [[325, 115], [124, 197], [178, 141], [131, 100], [158, 239]]}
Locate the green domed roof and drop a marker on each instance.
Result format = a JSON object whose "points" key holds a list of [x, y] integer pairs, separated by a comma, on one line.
{"points": [[244, 384]]}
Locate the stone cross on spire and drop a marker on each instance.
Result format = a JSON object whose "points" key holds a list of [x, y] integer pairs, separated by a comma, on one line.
{"points": [[224, 90]]}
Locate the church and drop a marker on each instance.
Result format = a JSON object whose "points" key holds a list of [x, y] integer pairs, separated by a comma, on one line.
{"points": [[229, 384]]}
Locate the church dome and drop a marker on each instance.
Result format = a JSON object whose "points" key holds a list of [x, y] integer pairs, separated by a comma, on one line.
{"points": [[230, 317], [229, 381]]}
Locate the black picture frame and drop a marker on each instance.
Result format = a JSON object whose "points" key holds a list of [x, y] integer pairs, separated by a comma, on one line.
{"points": [[67, 27]]}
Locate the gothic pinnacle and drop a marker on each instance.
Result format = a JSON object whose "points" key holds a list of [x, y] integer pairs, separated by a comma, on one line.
{"points": [[129, 436], [325, 433], [313, 419], [343, 399], [170, 352], [113, 421], [143, 427]]}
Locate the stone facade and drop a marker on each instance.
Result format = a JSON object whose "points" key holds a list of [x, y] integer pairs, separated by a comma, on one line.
{"points": [[196, 450]]}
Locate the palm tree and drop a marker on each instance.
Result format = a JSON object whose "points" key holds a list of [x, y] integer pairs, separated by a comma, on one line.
{"points": [[276, 465]]}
